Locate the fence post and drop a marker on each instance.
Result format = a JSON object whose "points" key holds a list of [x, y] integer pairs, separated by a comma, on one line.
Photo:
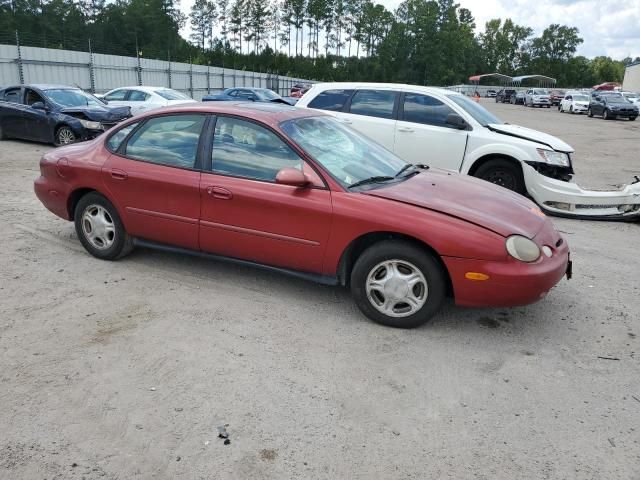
{"points": [[19, 59], [169, 70], [208, 81], [222, 78], [139, 67], [92, 76], [191, 78]]}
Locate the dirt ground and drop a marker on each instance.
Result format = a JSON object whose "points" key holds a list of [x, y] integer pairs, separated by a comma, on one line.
{"points": [[125, 370]]}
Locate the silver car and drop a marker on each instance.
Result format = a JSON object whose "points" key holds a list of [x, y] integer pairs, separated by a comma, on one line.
{"points": [[537, 97]]}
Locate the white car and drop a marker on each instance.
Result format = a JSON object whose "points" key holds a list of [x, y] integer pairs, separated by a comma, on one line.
{"points": [[632, 97], [445, 129], [143, 99], [537, 97], [574, 102]]}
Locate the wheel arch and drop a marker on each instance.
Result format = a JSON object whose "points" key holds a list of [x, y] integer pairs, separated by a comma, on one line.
{"points": [[493, 156], [360, 244], [75, 196]]}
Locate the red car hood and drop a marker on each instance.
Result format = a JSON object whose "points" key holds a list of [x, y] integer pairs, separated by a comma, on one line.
{"points": [[476, 201]]}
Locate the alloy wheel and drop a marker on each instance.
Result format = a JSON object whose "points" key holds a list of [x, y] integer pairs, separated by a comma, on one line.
{"points": [[396, 288], [66, 136]]}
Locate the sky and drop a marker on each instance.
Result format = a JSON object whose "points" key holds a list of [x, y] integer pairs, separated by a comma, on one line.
{"points": [[608, 27]]}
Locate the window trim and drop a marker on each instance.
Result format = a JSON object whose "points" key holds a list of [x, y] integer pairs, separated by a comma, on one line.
{"points": [[208, 152], [132, 90], [394, 112], [401, 110], [197, 166]]}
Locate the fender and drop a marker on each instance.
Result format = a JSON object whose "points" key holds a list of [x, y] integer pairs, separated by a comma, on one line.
{"points": [[504, 149]]}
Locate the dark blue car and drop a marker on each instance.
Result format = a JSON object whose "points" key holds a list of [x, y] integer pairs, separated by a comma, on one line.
{"points": [[249, 94], [55, 114]]}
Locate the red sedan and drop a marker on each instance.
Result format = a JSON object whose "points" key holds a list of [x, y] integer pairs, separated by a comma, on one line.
{"points": [[296, 191]]}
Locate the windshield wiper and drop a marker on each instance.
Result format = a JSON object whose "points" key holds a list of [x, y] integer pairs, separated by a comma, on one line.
{"points": [[411, 165], [376, 179]]}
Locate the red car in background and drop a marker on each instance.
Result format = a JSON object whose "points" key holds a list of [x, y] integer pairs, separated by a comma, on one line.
{"points": [[296, 191], [556, 96], [300, 89]]}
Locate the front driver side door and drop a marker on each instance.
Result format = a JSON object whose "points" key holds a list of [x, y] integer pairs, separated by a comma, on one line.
{"points": [[245, 214], [423, 136]]}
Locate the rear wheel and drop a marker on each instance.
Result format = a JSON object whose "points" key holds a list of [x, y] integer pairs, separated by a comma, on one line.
{"points": [[100, 229], [65, 136], [504, 173], [397, 284]]}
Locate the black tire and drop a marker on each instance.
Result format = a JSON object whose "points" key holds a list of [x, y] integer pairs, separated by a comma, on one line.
{"points": [[402, 251], [2, 137], [571, 110], [590, 112], [606, 115], [502, 172], [64, 136], [122, 243], [631, 119]]}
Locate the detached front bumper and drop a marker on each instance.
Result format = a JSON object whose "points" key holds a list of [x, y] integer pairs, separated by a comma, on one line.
{"points": [[567, 199]]}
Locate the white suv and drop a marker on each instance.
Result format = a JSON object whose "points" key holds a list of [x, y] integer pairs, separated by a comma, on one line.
{"points": [[445, 129]]}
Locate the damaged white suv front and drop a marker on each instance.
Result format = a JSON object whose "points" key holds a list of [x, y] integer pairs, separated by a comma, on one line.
{"points": [[445, 129]]}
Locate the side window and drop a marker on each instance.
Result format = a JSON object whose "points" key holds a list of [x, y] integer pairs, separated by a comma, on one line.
{"points": [[425, 109], [137, 96], [116, 139], [244, 149], [170, 140], [33, 97], [245, 94], [568, 97], [332, 100], [116, 95], [12, 95], [233, 93], [373, 103]]}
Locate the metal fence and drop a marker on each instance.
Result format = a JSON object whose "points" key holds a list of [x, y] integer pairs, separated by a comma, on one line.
{"points": [[99, 73]]}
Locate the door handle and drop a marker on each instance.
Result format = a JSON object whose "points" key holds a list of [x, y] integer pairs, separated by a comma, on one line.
{"points": [[345, 121], [219, 192], [118, 174], [405, 129]]}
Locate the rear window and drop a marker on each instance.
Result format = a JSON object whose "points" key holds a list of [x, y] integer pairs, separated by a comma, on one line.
{"points": [[169, 94], [332, 100]]}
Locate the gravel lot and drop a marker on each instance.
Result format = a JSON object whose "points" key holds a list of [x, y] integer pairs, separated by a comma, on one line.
{"points": [[124, 370]]}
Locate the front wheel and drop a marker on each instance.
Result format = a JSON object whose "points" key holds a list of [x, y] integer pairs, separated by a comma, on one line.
{"points": [[64, 136], [397, 284], [571, 109], [504, 173], [590, 113], [100, 229], [606, 115], [632, 119]]}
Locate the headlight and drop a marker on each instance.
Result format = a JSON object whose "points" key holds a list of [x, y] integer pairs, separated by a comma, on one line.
{"points": [[90, 125], [554, 158], [523, 249]]}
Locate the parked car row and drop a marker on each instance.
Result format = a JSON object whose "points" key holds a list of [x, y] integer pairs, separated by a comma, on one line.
{"points": [[607, 104]]}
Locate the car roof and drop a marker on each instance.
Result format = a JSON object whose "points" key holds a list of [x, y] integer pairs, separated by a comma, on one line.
{"points": [[143, 88], [389, 86], [44, 86], [269, 113]]}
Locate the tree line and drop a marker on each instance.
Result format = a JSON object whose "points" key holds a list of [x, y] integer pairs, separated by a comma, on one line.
{"points": [[430, 42]]}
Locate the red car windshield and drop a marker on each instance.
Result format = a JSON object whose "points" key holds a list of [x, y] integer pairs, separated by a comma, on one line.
{"points": [[348, 156]]}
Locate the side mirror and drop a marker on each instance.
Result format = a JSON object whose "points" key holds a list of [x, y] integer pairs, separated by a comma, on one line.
{"points": [[292, 177], [39, 106], [456, 121]]}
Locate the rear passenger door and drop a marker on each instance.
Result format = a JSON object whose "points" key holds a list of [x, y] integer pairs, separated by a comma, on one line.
{"points": [[423, 136], [153, 177], [373, 113], [11, 113]]}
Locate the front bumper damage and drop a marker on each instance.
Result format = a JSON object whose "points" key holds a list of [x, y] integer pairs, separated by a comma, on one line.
{"points": [[563, 197]]}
